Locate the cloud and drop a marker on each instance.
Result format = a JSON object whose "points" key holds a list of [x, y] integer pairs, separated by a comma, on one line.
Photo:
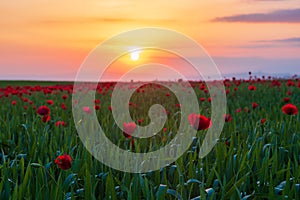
{"points": [[255, 46], [285, 40], [278, 16], [292, 42]]}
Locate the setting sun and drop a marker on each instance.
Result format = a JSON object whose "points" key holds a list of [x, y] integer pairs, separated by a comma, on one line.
{"points": [[135, 55]]}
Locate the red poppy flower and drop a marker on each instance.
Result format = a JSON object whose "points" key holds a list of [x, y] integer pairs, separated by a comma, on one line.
{"points": [[246, 110], [58, 123], [238, 110], [227, 143], [50, 102], [64, 96], [263, 120], [87, 110], [178, 105], [140, 121], [97, 101], [227, 118], [276, 83], [290, 83], [43, 110], [128, 129], [202, 99], [199, 122], [251, 88], [97, 107], [286, 99], [202, 87], [25, 99], [289, 109], [63, 106], [46, 118], [254, 105], [13, 103], [64, 162]]}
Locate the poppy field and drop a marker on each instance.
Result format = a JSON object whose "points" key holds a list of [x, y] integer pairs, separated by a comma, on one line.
{"points": [[256, 157]]}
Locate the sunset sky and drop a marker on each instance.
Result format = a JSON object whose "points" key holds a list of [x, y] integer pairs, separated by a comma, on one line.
{"points": [[48, 40]]}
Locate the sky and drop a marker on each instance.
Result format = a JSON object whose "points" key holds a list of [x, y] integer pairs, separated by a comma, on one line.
{"points": [[49, 40]]}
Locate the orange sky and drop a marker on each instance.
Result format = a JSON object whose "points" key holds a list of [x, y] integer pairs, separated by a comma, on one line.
{"points": [[50, 39]]}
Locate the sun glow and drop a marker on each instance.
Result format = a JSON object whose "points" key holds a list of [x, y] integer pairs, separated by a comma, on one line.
{"points": [[135, 55]]}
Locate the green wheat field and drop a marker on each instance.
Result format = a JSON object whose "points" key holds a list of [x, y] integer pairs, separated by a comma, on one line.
{"points": [[256, 157]]}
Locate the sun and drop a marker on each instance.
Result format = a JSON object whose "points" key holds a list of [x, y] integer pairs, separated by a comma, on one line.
{"points": [[135, 55]]}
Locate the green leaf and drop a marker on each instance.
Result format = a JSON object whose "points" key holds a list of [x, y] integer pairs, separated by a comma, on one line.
{"points": [[68, 181], [110, 187], [161, 192], [87, 185], [37, 165], [174, 193]]}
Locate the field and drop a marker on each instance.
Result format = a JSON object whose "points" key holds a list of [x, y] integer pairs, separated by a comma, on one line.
{"points": [[256, 157]]}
